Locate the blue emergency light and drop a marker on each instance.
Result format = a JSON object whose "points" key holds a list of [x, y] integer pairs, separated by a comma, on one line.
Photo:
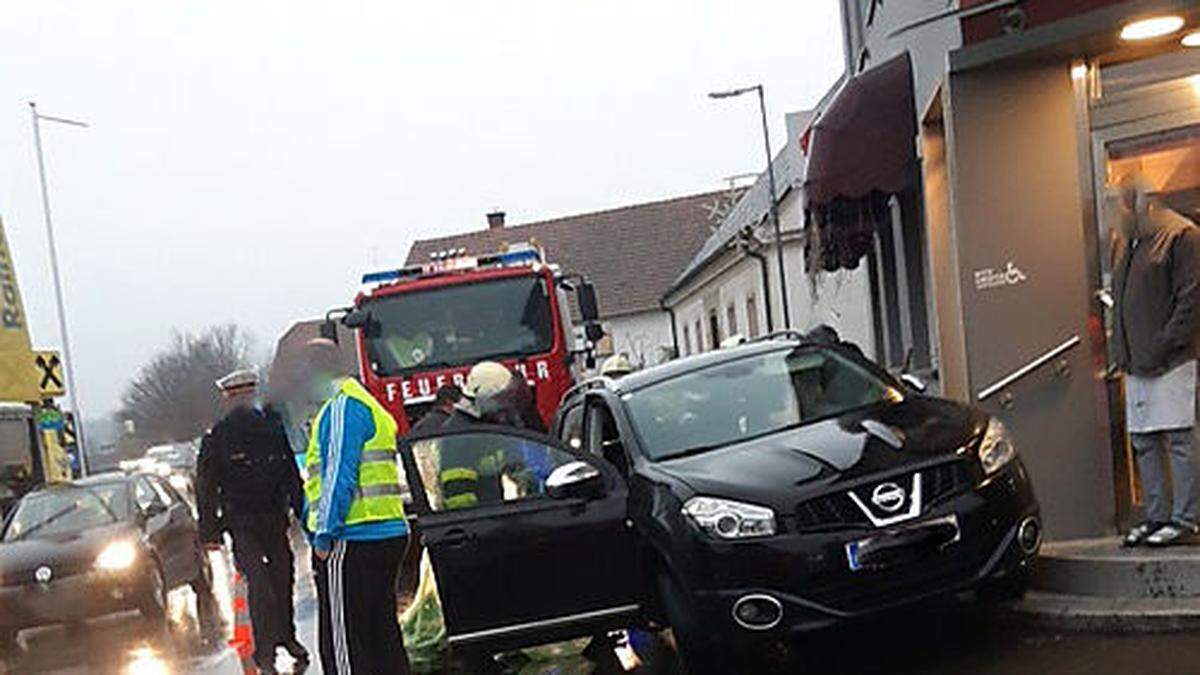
{"points": [[512, 258]]}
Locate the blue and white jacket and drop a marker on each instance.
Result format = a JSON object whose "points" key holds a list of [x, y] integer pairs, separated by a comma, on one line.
{"points": [[345, 428]]}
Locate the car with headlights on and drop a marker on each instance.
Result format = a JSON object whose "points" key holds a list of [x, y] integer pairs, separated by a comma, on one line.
{"points": [[738, 496], [96, 546]]}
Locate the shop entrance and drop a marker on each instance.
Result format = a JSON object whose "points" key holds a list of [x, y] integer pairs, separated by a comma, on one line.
{"points": [[1146, 121]]}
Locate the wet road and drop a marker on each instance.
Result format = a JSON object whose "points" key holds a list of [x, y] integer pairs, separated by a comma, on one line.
{"points": [[945, 639]]}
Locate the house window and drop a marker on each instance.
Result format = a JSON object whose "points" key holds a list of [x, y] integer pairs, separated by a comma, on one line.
{"points": [[687, 341], [699, 337], [752, 316], [731, 326], [714, 328]]}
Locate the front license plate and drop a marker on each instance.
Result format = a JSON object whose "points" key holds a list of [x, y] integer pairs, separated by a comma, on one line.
{"points": [[903, 544]]}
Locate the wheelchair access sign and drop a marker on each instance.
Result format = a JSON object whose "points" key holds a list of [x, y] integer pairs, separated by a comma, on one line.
{"points": [[48, 373]]}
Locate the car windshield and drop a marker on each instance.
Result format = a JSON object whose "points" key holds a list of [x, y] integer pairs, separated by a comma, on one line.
{"points": [[460, 324], [68, 511], [739, 400]]}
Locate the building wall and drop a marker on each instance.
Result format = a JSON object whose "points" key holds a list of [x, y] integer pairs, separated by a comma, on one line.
{"points": [[642, 337], [841, 300], [927, 45]]}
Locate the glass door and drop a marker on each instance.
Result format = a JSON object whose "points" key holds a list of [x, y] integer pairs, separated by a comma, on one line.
{"points": [[1150, 131]]}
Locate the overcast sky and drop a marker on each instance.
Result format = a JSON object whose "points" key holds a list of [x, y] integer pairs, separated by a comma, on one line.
{"points": [[248, 159]]}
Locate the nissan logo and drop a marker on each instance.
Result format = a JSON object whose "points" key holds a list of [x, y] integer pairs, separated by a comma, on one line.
{"points": [[888, 496], [43, 575]]}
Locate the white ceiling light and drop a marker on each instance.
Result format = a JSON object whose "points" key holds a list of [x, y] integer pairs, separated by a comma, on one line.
{"points": [[1151, 27], [1192, 39]]}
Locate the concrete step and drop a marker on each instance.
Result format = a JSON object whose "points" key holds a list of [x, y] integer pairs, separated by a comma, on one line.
{"points": [[1100, 568], [1107, 615]]}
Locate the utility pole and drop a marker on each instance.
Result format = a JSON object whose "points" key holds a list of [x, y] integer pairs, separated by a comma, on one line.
{"points": [[772, 198], [69, 364]]}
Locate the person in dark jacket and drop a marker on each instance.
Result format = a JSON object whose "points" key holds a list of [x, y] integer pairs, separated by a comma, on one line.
{"points": [[1156, 341], [246, 481], [443, 405]]}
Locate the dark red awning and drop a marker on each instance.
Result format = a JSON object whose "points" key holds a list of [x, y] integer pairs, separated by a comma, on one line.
{"points": [[861, 151], [864, 140]]}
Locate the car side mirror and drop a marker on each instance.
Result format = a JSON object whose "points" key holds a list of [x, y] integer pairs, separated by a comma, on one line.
{"points": [[328, 330], [593, 331], [589, 308], [155, 509], [915, 383], [362, 319], [575, 479]]}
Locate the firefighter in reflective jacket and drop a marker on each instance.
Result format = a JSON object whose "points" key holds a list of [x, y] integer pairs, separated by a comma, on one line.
{"points": [[355, 518], [491, 395]]}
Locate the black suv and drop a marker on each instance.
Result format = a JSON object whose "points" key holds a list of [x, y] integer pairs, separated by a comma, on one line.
{"points": [[744, 494]]}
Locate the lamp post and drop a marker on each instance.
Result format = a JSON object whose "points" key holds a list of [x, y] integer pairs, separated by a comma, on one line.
{"points": [[69, 364], [771, 198]]}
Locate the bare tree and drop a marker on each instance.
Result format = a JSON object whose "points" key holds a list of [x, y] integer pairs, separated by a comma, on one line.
{"points": [[173, 397]]}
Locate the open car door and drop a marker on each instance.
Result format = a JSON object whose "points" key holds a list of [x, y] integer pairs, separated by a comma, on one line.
{"points": [[528, 540]]}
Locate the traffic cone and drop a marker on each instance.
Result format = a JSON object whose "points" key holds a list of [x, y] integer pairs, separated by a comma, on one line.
{"points": [[242, 641]]}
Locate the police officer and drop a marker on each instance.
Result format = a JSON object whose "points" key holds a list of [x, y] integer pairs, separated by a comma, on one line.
{"points": [[246, 480], [356, 522]]}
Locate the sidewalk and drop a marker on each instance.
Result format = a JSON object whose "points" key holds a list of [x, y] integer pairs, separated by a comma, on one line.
{"points": [[1096, 585]]}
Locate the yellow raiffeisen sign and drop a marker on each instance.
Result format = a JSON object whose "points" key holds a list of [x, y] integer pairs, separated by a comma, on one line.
{"points": [[16, 357]]}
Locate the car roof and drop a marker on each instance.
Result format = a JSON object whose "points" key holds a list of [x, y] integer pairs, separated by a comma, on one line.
{"points": [[107, 478], [672, 369]]}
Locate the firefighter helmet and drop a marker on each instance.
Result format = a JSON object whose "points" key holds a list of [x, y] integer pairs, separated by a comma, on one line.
{"points": [[616, 366]]}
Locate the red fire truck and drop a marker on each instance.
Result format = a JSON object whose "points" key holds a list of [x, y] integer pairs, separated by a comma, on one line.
{"points": [[424, 326]]}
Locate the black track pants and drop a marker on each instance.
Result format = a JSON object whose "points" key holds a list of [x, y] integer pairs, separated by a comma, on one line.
{"points": [[263, 555], [359, 630]]}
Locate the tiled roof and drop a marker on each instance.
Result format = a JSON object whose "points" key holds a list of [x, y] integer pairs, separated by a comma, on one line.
{"points": [[631, 253]]}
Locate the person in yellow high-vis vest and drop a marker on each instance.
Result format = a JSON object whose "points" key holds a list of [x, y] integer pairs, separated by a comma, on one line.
{"points": [[356, 523]]}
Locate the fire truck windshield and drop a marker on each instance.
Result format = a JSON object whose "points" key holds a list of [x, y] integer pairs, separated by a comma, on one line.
{"points": [[460, 324]]}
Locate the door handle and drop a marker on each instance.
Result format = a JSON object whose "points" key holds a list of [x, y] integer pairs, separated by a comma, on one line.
{"points": [[456, 538]]}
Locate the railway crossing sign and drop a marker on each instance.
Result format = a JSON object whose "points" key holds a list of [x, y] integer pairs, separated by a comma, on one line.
{"points": [[48, 373]]}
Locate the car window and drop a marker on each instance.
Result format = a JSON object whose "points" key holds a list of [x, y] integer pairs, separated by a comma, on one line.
{"points": [[571, 433], [144, 495], [476, 469], [604, 439], [737, 400]]}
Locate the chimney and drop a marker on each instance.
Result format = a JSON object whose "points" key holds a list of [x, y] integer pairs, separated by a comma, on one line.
{"points": [[495, 220]]}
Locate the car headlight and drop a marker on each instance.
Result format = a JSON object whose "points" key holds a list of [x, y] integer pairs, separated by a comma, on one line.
{"points": [[178, 481], [117, 556], [727, 519], [996, 449]]}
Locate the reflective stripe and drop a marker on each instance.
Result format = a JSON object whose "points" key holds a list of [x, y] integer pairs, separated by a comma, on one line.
{"points": [[379, 456], [366, 491], [459, 473], [462, 501]]}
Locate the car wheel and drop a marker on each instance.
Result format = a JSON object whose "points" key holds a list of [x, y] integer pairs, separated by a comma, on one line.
{"points": [[700, 652], [1011, 586], [153, 603]]}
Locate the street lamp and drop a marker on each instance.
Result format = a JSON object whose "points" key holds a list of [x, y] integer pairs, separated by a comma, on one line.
{"points": [[69, 364], [771, 198]]}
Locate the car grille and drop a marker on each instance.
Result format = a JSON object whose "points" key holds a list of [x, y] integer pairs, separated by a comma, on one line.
{"points": [[836, 510]]}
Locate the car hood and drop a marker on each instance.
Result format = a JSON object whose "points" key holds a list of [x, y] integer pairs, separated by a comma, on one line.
{"points": [[772, 468], [69, 553]]}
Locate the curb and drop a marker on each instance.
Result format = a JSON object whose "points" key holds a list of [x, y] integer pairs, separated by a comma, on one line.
{"points": [[1079, 613]]}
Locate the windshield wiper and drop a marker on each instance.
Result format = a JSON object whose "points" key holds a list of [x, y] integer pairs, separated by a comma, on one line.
{"points": [[699, 449]]}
